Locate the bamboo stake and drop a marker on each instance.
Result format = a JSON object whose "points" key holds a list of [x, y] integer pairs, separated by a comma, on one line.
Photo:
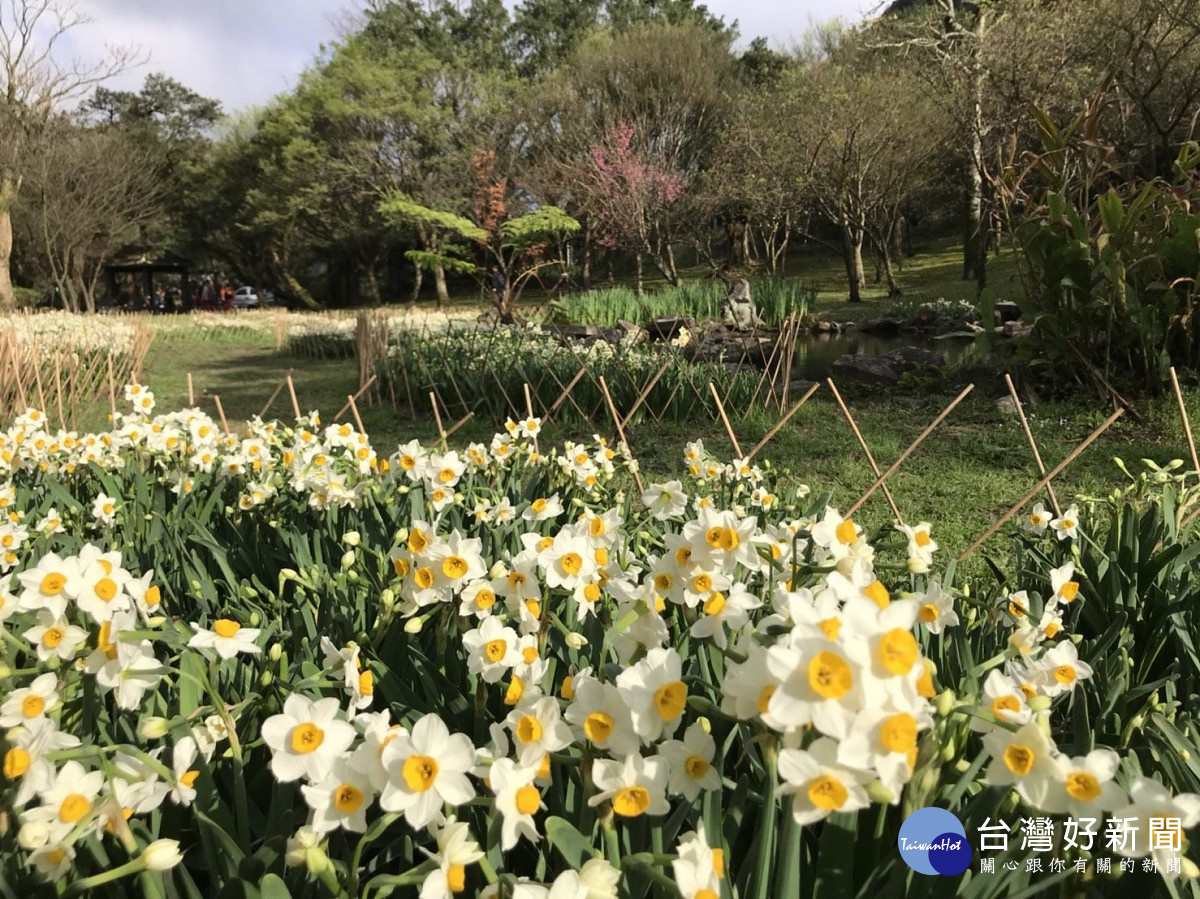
{"points": [[646, 391], [1187, 425], [775, 429], [437, 417], [357, 396], [37, 378], [529, 417], [911, 449], [274, 394], [458, 424], [221, 413], [192, 393], [357, 418], [1037, 456], [58, 390], [291, 386], [112, 390], [769, 373], [1108, 422], [725, 418], [863, 443], [612, 409], [567, 392]]}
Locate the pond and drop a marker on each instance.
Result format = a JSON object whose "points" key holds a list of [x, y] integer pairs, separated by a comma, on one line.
{"points": [[816, 353]]}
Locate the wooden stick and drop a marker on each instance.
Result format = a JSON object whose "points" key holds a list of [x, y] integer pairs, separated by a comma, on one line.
{"points": [[357, 396], [37, 378], [192, 393], [58, 391], [612, 409], [646, 391], [725, 418], [275, 393], [221, 413], [1108, 422], [567, 392], [458, 424], [291, 386], [1037, 456], [863, 443], [1187, 425], [911, 449], [528, 401], [112, 390], [782, 421], [357, 418], [437, 417]]}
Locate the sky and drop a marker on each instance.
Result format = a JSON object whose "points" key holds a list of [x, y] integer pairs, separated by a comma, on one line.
{"points": [[243, 52]]}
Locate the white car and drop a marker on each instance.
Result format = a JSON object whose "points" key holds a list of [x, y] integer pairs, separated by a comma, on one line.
{"points": [[245, 298]]}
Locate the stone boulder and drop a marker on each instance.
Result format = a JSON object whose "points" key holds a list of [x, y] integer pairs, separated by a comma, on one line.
{"points": [[668, 327], [738, 311], [886, 369]]}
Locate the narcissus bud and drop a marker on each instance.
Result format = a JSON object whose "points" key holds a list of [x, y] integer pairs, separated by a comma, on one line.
{"points": [[946, 700], [352, 538], [161, 855], [880, 794], [153, 728]]}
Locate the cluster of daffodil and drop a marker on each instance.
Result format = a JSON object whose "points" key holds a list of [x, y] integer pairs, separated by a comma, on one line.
{"points": [[76, 333], [619, 666]]}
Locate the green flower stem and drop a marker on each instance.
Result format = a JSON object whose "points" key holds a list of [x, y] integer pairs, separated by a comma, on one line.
{"points": [[89, 883], [760, 887]]}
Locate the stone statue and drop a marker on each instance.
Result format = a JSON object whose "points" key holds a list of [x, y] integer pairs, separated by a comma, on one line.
{"points": [[739, 310]]}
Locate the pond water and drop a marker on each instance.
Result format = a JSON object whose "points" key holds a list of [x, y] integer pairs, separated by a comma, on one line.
{"points": [[816, 353]]}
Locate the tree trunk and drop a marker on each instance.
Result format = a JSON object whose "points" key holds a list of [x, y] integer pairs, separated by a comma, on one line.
{"points": [[373, 286], [852, 253], [585, 274], [418, 277], [973, 234], [8, 297], [885, 255], [439, 281]]}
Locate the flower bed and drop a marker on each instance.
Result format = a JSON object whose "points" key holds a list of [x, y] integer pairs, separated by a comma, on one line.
{"points": [[280, 661]]}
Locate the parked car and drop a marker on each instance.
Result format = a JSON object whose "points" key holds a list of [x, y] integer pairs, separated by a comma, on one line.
{"points": [[245, 298]]}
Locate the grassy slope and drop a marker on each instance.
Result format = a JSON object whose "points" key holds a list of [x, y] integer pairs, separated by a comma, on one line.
{"points": [[972, 468]]}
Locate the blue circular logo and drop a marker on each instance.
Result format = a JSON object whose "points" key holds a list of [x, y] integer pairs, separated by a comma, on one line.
{"points": [[933, 841]]}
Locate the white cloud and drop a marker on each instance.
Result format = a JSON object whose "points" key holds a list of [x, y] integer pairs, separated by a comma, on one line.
{"points": [[243, 52]]}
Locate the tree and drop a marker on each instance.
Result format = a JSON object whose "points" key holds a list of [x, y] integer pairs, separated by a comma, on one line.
{"points": [[88, 194], [33, 87]]}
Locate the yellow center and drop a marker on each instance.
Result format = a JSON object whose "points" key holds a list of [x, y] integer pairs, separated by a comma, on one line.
{"points": [[899, 733], [683, 555], [764, 698], [701, 583], [591, 592], [827, 792], [831, 627], [631, 801], [529, 730], [1007, 703], [829, 676], [495, 650], [153, 596], [485, 599], [922, 538], [572, 563], [538, 505], [16, 762], [669, 700], [424, 578], [366, 683], [928, 613], [529, 654], [73, 808], [696, 767], [898, 651], [52, 637], [347, 799], [662, 583], [456, 878], [53, 584], [188, 778], [446, 475], [454, 567], [306, 738], [877, 593], [420, 771], [529, 800], [715, 604], [225, 627], [417, 541], [598, 727], [1068, 523], [1052, 629], [1065, 674], [1069, 591], [846, 532], [1082, 786], [1019, 759], [32, 706]]}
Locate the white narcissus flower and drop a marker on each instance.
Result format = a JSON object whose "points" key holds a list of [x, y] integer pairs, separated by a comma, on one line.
{"points": [[426, 770], [1037, 520], [1084, 787], [104, 509], [1003, 697], [665, 501], [1067, 526], [537, 728], [227, 637], [655, 693], [306, 738], [68, 800], [690, 763], [600, 716], [50, 584], [54, 636], [517, 800], [885, 741], [1062, 584], [637, 786], [818, 785], [456, 849], [1023, 759], [1059, 670], [935, 609], [491, 650], [26, 759], [1155, 821], [28, 703], [340, 800]]}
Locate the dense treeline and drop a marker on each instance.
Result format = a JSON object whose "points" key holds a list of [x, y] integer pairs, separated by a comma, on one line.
{"points": [[570, 138]]}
